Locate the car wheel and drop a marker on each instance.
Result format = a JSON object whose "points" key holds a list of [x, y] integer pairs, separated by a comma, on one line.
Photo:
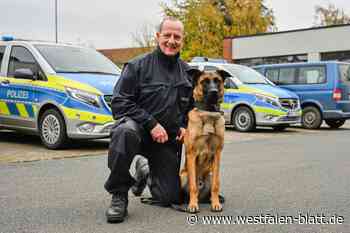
{"points": [[335, 124], [243, 119], [311, 118], [52, 129], [279, 127]]}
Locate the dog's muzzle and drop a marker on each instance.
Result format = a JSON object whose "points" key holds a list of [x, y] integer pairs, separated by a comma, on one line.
{"points": [[213, 96], [213, 93]]}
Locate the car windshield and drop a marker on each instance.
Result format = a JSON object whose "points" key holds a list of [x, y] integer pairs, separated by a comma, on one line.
{"points": [[246, 75], [70, 59]]}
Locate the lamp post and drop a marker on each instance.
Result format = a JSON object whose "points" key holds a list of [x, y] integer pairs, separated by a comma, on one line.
{"points": [[56, 36]]}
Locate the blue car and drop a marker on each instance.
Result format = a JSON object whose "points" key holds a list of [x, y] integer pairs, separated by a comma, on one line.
{"points": [[323, 89]]}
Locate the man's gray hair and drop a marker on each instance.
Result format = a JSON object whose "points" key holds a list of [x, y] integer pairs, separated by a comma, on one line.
{"points": [[166, 18]]}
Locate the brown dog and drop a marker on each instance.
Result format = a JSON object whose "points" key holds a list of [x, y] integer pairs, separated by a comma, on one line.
{"points": [[204, 139]]}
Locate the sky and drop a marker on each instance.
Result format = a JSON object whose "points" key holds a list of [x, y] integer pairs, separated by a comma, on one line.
{"points": [[111, 23]]}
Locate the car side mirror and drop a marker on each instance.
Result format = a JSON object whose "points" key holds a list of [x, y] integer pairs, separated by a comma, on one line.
{"points": [[24, 73]]}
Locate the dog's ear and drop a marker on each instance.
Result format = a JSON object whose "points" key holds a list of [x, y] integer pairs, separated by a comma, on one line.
{"points": [[195, 74], [223, 73]]}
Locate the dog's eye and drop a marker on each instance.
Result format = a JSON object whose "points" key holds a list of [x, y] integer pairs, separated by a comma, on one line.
{"points": [[205, 81], [216, 80]]}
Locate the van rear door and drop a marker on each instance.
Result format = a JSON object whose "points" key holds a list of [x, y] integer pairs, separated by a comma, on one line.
{"points": [[344, 85]]}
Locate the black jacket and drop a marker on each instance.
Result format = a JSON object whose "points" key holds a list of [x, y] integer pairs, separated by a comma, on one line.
{"points": [[154, 88]]}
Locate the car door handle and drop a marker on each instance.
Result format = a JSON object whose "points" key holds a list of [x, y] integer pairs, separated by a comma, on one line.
{"points": [[6, 82]]}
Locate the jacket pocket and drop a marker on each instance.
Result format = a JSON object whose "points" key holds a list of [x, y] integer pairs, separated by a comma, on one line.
{"points": [[184, 97], [151, 88], [153, 94]]}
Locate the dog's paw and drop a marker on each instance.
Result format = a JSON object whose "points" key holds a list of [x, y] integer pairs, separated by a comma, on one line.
{"points": [[216, 207], [193, 208]]}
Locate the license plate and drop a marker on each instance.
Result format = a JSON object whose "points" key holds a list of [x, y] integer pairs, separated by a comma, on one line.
{"points": [[292, 114]]}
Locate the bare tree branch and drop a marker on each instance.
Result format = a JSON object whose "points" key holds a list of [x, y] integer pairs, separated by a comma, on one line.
{"points": [[330, 15], [144, 37]]}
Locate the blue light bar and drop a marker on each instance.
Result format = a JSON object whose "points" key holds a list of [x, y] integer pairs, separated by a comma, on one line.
{"points": [[7, 38]]}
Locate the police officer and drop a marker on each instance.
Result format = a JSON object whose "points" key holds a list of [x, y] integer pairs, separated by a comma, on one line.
{"points": [[150, 103]]}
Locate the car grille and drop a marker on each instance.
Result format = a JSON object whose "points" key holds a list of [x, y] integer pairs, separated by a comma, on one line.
{"points": [[287, 118], [108, 99], [290, 104]]}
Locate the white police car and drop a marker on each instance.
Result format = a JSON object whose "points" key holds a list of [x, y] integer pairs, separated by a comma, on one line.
{"points": [[58, 91]]}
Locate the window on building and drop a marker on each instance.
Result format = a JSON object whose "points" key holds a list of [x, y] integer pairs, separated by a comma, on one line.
{"points": [[272, 75], [312, 75], [336, 56], [287, 76], [272, 60], [21, 58], [249, 61], [2, 52]]}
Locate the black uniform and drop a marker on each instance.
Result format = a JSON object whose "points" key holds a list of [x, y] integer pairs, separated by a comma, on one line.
{"points": [[152, 88]]}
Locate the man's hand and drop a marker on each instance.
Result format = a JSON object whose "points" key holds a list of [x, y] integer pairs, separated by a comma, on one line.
{"points": [[181, 135], [159, 134]]}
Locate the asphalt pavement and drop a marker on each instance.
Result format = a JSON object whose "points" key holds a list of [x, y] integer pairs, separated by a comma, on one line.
{"points": [[299, 177]]}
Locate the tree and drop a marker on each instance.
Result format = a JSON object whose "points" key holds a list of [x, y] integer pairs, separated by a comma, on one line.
{"points": [[208, 22], [330, 15], [144, 37]]}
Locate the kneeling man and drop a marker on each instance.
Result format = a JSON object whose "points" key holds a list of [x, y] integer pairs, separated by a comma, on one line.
{"points": [[150, 104]]}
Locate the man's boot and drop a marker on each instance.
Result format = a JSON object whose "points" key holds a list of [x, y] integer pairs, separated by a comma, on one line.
{"points": [[141, 175], [118, 209]]}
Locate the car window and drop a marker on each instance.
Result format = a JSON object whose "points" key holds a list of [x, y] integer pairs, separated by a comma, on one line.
{"points": [[312, 75], [229, 83], [246, 74], [345, 73], [272, 75], [260, 70], [2, 51], [21, 58], [287, 76], [70, 59]]}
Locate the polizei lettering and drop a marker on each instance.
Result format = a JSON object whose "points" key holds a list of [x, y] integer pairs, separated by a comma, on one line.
{"points": [[17, 94]]}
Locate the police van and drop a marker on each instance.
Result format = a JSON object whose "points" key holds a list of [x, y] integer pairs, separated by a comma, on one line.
{"points": [[59, 91], [323, 88], [251, 100]]}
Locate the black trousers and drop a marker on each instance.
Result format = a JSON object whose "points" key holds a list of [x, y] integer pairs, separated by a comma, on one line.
{"points": [[129, 139]]}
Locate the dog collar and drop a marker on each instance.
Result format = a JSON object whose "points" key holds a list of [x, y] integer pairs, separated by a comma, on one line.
{"points": [[209, 108]]}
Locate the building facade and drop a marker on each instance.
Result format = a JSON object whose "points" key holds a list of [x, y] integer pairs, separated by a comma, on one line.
{"points": [[311, 44]]}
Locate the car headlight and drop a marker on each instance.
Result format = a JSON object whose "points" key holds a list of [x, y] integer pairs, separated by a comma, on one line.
{"points": [[84, 96], [267, 99]]}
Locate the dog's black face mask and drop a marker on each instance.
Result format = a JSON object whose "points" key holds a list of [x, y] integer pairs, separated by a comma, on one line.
{"points": [[211, 88], [208, 88]]}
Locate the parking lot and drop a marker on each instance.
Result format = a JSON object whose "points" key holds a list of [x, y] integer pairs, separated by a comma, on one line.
{"points": [[16, 147], [291, 173]]}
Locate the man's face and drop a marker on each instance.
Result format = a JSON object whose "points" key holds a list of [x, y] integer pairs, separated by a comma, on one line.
{"points": [[170, 39]]}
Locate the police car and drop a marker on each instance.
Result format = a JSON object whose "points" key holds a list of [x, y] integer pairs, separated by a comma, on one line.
{"points": [[251, 100], [58, 91]]}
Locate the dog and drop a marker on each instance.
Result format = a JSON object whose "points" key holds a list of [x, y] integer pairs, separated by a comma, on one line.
{"points": [[204, 139]]}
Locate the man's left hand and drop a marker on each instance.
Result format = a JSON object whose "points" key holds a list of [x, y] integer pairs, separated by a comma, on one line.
{"points": [[181, 134]]}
